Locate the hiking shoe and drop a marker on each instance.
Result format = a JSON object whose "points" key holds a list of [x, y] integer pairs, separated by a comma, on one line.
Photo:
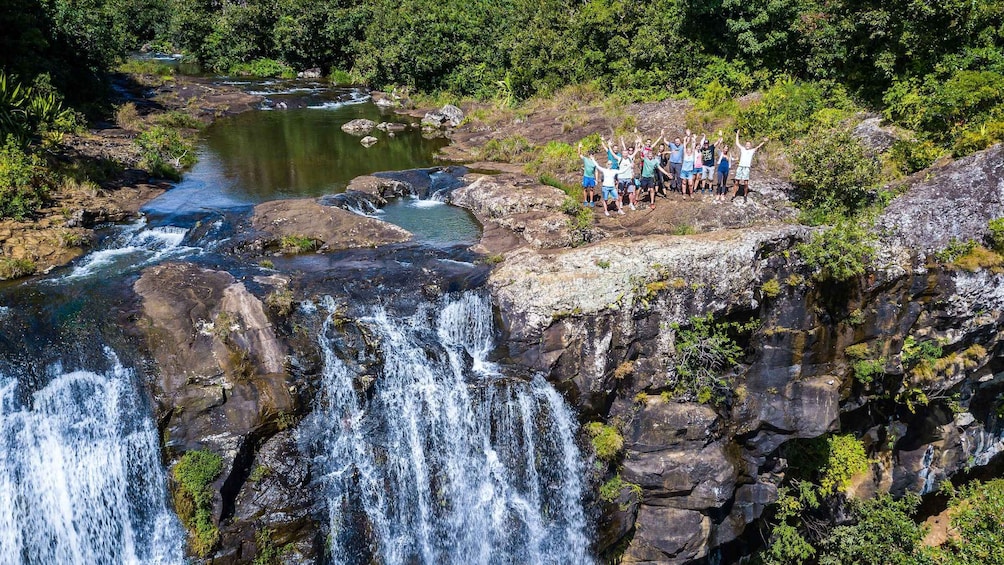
{"points": [[621, 212], [606, 212], [632, 206]]}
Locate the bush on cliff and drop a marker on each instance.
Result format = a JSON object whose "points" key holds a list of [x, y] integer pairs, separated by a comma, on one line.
{"points": [[833, 171], [193, 497], [607, 440], [705, 350], [840, 253]]}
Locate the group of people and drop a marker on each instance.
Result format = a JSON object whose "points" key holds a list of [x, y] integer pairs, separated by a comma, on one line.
{"points": [[683, 165]]}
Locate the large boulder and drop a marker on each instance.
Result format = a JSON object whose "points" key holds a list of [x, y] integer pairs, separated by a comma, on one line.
{"points": [[328, 227], [955, 201], [448, 115], [360, 126], [314, 73], [875, 136]]}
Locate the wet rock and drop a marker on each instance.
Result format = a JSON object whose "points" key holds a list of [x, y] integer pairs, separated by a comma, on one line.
{"points": [[368, 141], [668, 535], [379, 189], [448, 115], [314, 73], [331, 228], [392, 127], [358, 126]]}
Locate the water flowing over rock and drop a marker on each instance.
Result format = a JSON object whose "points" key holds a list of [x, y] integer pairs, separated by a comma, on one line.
{"points": [[444, 459], [80, 475]]}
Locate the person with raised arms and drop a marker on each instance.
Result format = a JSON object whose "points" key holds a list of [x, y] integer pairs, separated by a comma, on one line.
{"points": [[609, 189], [742, 180], [588, 177]]}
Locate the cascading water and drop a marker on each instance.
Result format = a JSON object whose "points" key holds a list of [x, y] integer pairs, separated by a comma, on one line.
{"points": [[446, 460], [81, 481]]}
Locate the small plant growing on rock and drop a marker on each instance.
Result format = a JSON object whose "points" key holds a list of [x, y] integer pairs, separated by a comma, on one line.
{"points": [[493, 259], [280, 300], [607, 440], [611, 490], [771, 288], [259, 473], [705, 350], [865, 370], [266, 264], [624, 369], [193, 497], [297, 244], [840, 253], [794, 280], [284, 420], [996, 235], [603, 263]]}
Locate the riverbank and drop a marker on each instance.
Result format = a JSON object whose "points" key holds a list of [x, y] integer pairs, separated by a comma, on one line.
{"points": [[102, 174]]}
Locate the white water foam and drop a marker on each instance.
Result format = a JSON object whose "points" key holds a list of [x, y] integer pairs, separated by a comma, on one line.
{"points": [[442, 464], [136, 244], [80, 475]]}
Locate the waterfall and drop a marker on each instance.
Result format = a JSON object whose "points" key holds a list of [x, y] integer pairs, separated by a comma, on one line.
{"points": [[445, 460], [81, 480]]}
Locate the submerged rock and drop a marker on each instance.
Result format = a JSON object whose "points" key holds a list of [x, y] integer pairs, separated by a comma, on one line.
{"points": [[359, 126], [329, 228], [368, 141]]}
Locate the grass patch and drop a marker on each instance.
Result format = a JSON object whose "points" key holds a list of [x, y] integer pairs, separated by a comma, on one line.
{"points": [[979, 258], [281, 301], [623, 370], [179, 120], [127, 117], [607, 440], [493, 259], [298, 244], [263, 68], [511, 149], [15, 268], [193, 498]]}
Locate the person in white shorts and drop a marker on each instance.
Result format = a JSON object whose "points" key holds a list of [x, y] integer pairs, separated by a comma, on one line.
{"points": [[609, 190], [742, 180]]}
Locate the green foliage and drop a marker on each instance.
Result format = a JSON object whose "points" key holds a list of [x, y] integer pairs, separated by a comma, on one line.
{"points": [[846, 459], [176, 119], [914, 353], [259, 473], [954, 250], [281, 301], [840, 253], [15, 268], [911, 156], [607, 440], [705, 350], [163, 151], [509, 149], [298, 244], [883, 532], [27, 113], [996, 235], [24, 181], [865, 370], [833, 171], [611, 490], [146, 67], [268, 552], [263, 68], [790, 109], [193, 497], [976, 513], [771, 288]]}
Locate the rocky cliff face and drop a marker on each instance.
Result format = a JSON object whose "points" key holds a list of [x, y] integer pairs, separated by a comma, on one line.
{"points": [[600, 321]]}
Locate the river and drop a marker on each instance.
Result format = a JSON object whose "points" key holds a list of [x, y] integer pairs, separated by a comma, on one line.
{"points": [[449, 458]]}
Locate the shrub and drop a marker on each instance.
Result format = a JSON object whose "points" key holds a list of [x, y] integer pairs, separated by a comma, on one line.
{"points": [[996, 235], [263, 68], [704, 351], [840, 253], [865, 370], [24, 181], [911, 156], [845, 460], [15, 268], [882, 532], [976, 513], [163, 150], [127, 118], [179, 120], [280, 300], [341, 78], [833, 171], [607, 441], [788, 109], [954, 250], [193, 498], [146, 67]]}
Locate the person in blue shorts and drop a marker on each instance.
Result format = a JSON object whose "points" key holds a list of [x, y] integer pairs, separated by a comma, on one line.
{"points": [[588, 178], [609, 188]]}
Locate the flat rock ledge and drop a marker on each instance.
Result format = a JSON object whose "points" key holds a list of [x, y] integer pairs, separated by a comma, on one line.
{"points": [[332, 229]]}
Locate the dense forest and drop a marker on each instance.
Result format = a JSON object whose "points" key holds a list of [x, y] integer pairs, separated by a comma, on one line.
{"points": [[937, 68]]}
